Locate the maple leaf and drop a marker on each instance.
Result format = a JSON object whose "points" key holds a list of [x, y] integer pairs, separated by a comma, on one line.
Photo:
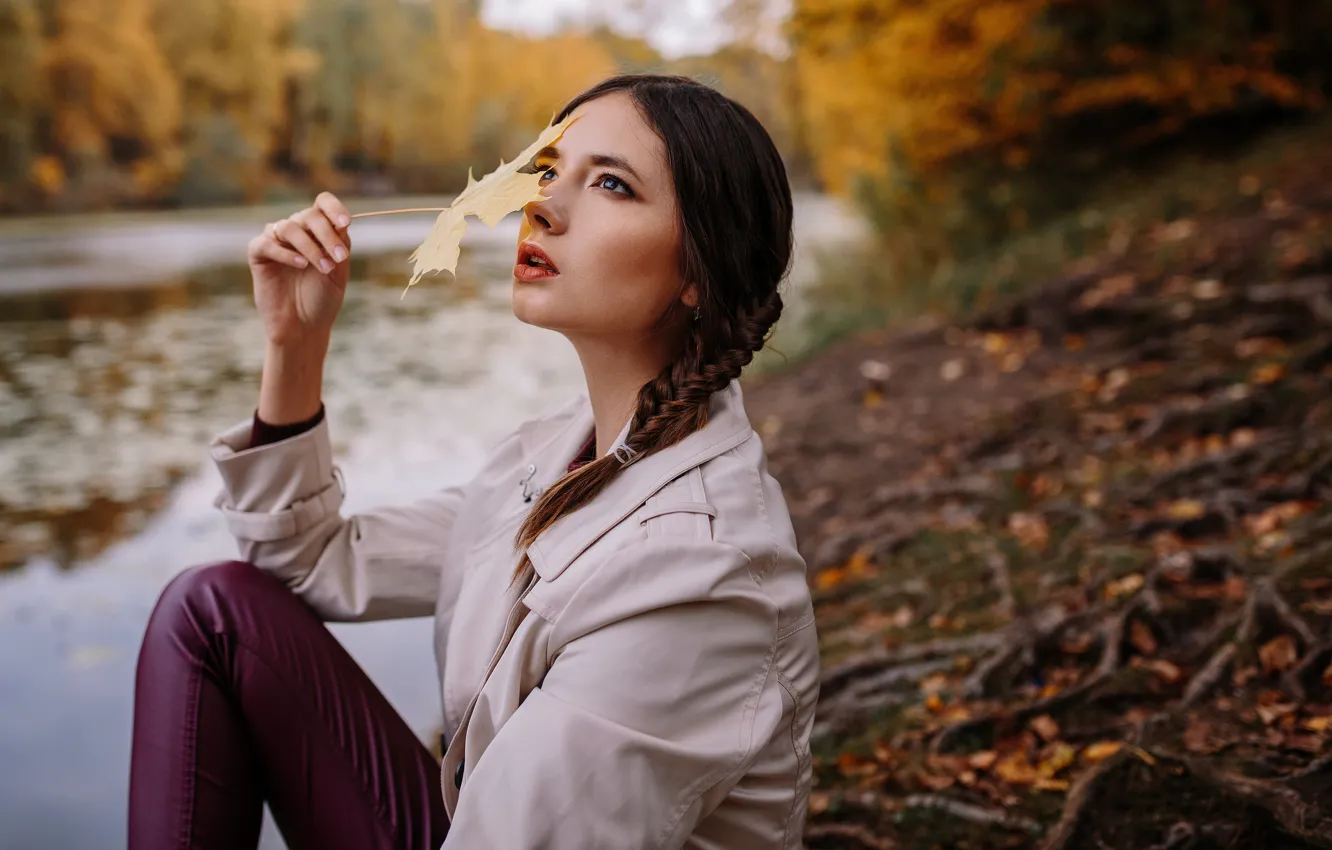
{"points": [[502, 191]]}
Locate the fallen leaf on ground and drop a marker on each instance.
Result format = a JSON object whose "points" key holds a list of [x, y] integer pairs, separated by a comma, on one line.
{"points": [[1167, 671], [1268, 373], [1015, 768], [1045, 726], [819, 801], [1130, 583], [1279, 653], [1140, 635], [983, 760], [1059, 756], [1031, 530], [1198, 737], [1272, 713], [1101, 750], [1185, 509], [1318, 724]]}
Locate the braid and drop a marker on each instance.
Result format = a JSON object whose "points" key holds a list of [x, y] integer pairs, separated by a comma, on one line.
{"points": [[671, 406]]}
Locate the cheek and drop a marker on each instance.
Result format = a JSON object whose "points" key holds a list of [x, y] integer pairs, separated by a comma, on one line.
{"points": [[637, 262]]}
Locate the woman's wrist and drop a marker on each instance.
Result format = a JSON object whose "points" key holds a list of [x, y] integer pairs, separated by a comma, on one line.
{"points": [[291, 389]]}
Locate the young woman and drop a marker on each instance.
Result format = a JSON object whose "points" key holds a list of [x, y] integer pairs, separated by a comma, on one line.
{"points": [[623, 630]]}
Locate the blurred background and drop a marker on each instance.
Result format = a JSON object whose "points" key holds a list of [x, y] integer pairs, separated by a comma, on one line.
{"points": [[946, 155]]}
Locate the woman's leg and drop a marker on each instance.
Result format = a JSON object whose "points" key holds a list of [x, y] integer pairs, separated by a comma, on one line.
{"points": [[242, 695]]}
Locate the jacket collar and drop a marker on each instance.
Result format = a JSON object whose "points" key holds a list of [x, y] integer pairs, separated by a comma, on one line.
{"points": [[556, 547]]}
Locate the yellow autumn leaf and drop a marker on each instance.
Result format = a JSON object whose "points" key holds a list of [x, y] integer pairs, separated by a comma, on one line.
{"points": [[490, 199], [1059, 756], [1101, 750]]}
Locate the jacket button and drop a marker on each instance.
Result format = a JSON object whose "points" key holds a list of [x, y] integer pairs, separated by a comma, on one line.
{"points": [[458, 775]]}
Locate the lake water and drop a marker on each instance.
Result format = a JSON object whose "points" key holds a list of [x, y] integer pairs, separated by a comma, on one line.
{"points": [[126, 342]]}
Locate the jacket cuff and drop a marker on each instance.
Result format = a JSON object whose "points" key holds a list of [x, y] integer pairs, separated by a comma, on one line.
{"points": [[277, 490]]}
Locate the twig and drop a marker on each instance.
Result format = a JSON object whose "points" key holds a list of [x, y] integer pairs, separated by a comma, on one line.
{"points": [[998, 564], [1182, 836], [399, 212], [972, 812], [849, 830], [1082, 792], [1210, 674], [1297, 680]]}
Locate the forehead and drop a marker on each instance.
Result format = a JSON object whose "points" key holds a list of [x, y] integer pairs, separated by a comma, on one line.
{"points": [[612, 124]]}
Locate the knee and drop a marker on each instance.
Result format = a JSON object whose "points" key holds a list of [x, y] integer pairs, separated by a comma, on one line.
{"points": [[200, 599]]}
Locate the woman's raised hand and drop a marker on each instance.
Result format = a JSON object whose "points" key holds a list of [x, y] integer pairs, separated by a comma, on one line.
{"points": [[299, 266]]}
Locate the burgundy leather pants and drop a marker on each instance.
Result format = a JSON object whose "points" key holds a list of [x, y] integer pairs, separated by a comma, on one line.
{"points": [[243, 697]]}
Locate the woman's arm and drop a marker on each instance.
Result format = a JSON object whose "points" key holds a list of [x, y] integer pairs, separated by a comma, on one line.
{"points": [[281, 502], [281, 498]]}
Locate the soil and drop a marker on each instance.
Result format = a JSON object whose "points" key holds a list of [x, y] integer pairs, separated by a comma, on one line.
{"points": [[1072, 558]]}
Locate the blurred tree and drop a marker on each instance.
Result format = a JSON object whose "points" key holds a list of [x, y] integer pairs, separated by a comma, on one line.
{"points": [[113, 106], [22, 92], [233, 60], [932, 84]]}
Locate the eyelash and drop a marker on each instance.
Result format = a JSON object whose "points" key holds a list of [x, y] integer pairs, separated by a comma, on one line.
{"points": [[628, 191]]}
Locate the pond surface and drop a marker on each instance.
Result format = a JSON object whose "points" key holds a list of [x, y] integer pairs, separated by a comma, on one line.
{"points": [[126, 342]]}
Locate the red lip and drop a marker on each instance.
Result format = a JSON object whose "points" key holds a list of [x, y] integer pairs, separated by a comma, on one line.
{"points": [[523, 271]]}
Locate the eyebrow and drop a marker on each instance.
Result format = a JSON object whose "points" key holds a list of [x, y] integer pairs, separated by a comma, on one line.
{"points": [[602, 160]]}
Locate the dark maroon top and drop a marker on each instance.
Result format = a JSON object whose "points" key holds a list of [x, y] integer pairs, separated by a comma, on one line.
{"points": [[262, 434]]}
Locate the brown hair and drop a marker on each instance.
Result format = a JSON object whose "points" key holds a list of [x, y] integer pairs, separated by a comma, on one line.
{"points": [[734, 202]]}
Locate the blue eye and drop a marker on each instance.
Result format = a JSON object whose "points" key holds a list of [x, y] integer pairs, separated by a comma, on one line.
{"points": [[547, 173], [618, 185]]}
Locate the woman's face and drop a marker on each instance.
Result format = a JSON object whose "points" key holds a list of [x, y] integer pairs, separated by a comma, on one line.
{"points": [[609, 233]]}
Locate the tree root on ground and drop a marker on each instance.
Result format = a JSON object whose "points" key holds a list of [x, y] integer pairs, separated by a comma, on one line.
{"points": [[1075, 804], [851, 831], [972, 813], [1113, 630], [1297, 813], [1264, 599]]}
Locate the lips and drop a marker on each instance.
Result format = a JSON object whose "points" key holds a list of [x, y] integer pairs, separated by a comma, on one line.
{"points": [[535, 261]]}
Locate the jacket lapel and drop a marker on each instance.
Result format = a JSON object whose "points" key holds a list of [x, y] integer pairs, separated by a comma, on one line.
{"points": [[558, 546]]}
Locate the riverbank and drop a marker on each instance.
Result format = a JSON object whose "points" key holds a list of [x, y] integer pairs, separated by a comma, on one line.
{"points": [[1073, 558]]}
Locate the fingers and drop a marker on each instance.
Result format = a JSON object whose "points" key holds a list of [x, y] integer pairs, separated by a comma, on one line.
{"points": [[264, 247], [292, 233], [317, 235], [318, 225], [333, 208]]}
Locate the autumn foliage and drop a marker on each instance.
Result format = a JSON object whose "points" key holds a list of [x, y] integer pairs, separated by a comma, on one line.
{"points": [[926, 86]]}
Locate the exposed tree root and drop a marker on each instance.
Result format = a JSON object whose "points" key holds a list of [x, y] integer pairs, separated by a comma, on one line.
{"points": [[1112, 629], [854, 832], [1298, 815], [972, 813], [1075, 804]]}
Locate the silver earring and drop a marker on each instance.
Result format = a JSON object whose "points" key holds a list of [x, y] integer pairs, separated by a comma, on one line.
{"points": [[698, 313]]}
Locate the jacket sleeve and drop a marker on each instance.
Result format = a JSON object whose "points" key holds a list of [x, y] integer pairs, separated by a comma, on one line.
{"points": [[644, 721], [281, 502]]}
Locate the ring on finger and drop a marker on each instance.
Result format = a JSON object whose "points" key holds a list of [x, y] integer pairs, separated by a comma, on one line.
{"points": [[273, 230]]}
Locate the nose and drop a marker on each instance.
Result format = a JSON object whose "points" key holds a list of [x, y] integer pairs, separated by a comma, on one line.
{"points": [[548, 215]]}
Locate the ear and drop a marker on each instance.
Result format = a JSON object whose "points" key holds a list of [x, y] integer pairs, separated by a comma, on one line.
{"points": [[689, 295]]}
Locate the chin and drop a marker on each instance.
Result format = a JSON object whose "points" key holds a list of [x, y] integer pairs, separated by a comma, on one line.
{"points": [[531, 306]]}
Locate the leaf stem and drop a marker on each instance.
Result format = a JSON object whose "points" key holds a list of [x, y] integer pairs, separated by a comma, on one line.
{"points": [[399, 212]]}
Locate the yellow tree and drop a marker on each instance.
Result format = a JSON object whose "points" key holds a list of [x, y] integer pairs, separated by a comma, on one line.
{"points": [[22, 91], [234, 60], [936, 83], [114, 103]]}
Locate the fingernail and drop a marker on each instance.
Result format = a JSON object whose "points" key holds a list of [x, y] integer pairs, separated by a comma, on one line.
{"points": [[339, 254], [343, 221], [325, 266], [301, 262]]}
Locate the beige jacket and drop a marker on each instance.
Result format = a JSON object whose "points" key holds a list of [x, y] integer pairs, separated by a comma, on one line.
{"points": [[653, 686]]}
